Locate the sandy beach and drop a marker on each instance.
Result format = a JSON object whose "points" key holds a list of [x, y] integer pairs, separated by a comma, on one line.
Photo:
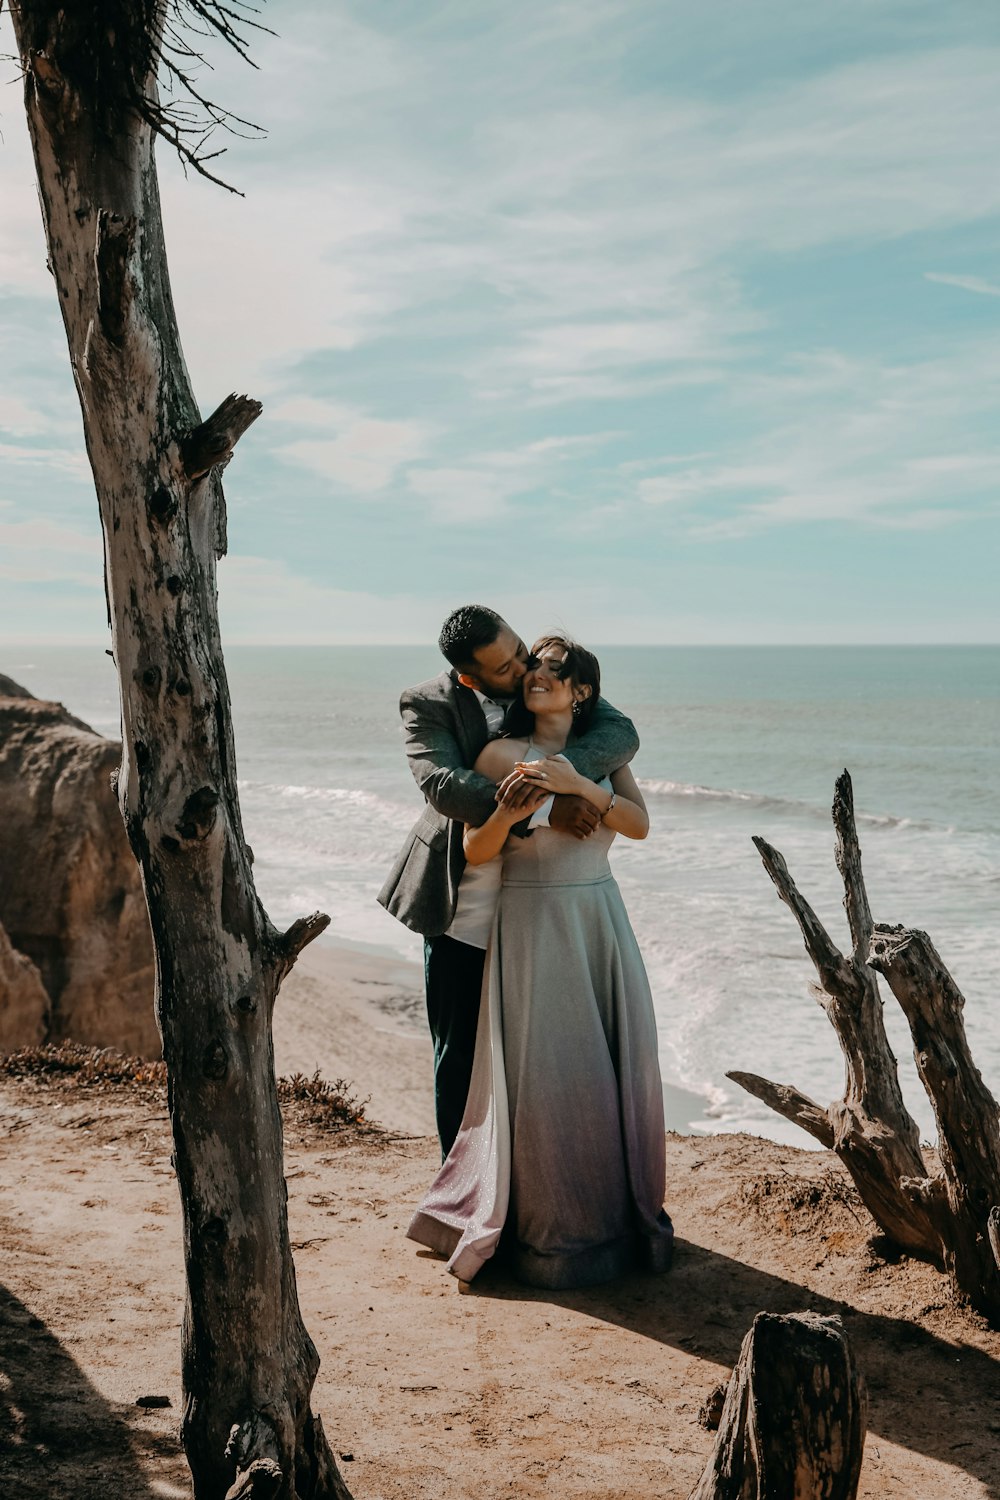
{"points": [[425, 1389], [360, 1016]]}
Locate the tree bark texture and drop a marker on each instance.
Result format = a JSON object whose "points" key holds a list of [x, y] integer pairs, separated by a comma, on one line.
{"points": [[870, 1128], [951, 1216], [965, 1110], [248, 1361], [794, 1419]]}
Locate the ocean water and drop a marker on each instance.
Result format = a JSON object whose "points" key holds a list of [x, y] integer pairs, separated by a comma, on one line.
{"points": [[735, 742]]}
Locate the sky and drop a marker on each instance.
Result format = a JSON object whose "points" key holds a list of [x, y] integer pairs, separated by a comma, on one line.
{"points": [[668, 322]]}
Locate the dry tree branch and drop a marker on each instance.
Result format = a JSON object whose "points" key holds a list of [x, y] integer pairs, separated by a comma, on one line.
{"points": [[190, 129]]}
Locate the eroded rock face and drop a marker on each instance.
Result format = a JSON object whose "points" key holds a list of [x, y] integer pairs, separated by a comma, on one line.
{"points": [[70, 894], [24, 1000]]}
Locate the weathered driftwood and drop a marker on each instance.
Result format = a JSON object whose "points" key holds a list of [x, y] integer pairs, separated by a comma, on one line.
{"points": [[966, 1112], [261, 1481], [793, 1423], [870, 1128], [248, 1362], [950, 1216]]}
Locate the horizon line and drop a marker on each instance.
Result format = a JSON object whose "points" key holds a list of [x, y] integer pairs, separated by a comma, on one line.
{"points": [[22, 644]]}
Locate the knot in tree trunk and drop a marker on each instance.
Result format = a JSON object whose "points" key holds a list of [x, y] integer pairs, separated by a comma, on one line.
{"points": [[199, 815]]}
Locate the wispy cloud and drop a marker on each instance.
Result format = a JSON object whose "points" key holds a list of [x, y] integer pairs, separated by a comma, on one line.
{"points": [[967, 283], [262, 599], [42, 551], [59, 460], [480, 492], [577, 265], [686, 485], [596, 236], [859, 442], [473, 495], [20, 418], [354, 450]]}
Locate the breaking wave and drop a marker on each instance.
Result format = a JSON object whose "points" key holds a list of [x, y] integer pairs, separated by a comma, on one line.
{"points": [[691, 791]]}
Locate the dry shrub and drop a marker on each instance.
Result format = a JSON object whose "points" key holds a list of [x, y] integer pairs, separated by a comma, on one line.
{"points": [[818, 1205], [309, 1101], [72, 1063], [316, 1101]]}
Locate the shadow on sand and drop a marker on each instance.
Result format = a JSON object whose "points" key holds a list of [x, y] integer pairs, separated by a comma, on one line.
{"points": [[929, 1395], [58, 1435]]}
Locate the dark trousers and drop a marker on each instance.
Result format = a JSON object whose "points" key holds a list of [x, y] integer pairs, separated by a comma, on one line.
{"points": [[453, 981]]}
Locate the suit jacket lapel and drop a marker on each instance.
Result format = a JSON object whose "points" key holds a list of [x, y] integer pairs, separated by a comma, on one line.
{"points": [[472, 720]]}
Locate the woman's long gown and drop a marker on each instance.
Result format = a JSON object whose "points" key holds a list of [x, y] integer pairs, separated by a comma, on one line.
{"points": [[561, 1146]]}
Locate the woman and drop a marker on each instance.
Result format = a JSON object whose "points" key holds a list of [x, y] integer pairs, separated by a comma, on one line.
{"points": [[561, 1147]]}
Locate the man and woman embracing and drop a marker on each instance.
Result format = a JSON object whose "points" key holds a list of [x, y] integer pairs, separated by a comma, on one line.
{"points": [[548, 1097]]}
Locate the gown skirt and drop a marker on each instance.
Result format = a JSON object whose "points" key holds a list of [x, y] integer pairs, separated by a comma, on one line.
{"points": [[561, 1147]]}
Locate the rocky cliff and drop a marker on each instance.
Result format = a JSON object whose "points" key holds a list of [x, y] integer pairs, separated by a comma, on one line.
{"points": [[70, 895], [24, 1000]]}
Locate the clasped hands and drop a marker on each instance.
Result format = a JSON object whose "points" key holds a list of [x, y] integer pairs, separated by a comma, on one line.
{"points": [[531, 782]]}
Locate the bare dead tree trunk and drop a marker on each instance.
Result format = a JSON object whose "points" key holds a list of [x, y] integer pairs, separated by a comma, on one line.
{"points": [[965, 1110], [248, 1362], [870, 1129], [794, 1419], [952, 1216]]}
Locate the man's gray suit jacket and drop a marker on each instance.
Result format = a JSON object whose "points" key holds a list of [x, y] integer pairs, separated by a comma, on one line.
{"points": [[444, 731]]}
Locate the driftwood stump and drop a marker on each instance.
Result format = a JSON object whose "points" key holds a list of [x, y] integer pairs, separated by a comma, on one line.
{"points": [[793, 1423], [950, 1216]]}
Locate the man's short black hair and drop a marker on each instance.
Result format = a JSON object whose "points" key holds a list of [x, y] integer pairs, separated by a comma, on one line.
{"points": [[465, 630]]}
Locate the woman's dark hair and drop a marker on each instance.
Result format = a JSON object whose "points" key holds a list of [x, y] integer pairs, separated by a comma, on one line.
{"points": [[583, 670], [465, 630]]}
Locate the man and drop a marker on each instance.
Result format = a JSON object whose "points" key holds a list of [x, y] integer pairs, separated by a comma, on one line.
{"points": [[446, 723]]}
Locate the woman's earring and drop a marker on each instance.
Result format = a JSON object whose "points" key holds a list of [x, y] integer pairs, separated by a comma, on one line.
{"points": [[577, 708]]}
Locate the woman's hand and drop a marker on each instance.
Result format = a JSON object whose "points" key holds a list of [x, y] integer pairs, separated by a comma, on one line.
{"points": [[554, 774], [516, 799]]}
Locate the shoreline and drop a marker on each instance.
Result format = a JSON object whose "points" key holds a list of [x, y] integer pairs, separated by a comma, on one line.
{"points": [[357, 1014]]}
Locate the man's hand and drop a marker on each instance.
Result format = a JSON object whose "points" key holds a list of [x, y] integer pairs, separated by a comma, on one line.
{"points": [[573, 814], [516, 791], [520, 798]]}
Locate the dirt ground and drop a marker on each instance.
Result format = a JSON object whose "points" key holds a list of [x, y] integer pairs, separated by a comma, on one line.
{"points": [[428, 1390]]}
